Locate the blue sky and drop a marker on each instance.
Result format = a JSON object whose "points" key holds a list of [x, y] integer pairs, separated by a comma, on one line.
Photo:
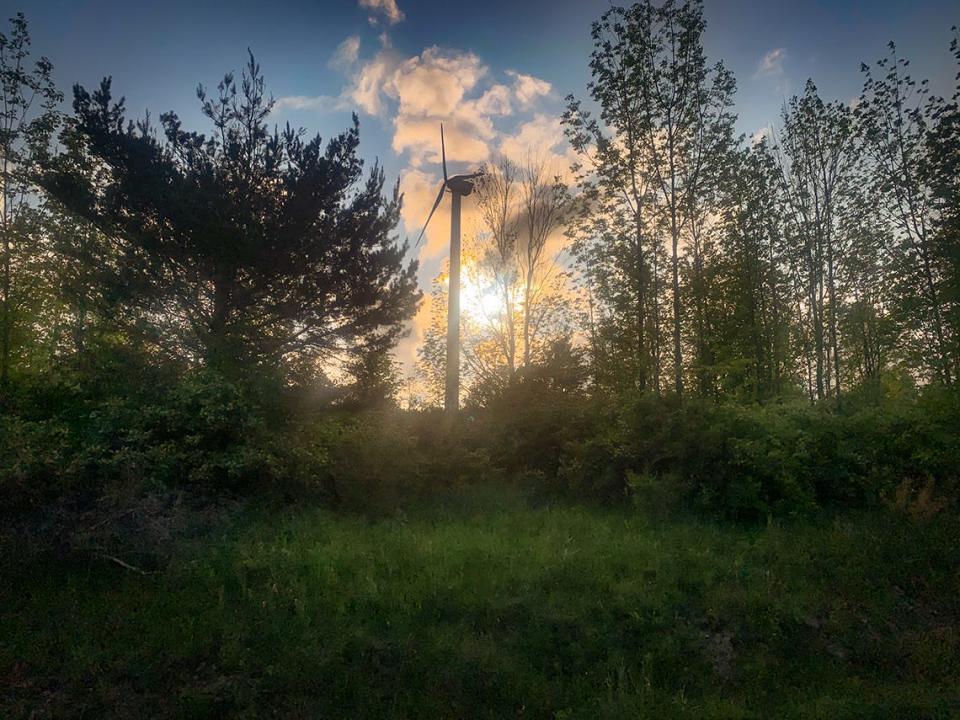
{"points": [[504, 66]]}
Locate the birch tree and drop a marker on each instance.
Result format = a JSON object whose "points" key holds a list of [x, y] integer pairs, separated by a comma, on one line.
{"points": [[28, 119]]}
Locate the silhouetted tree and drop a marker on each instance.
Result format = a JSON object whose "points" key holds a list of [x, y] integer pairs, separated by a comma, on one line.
{"points": [[748, 319], [942, 171], [246, 246], [376, 377], [896, 129], [496, 194], [28, 120], [818, 167], [666, 122], [544, 202]]}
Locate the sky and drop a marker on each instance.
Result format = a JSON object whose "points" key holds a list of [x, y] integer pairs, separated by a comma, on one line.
{"points": [[495, 72]]}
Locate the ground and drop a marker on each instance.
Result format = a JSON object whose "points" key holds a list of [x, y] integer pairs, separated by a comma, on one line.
{"points": [[498, 609]]}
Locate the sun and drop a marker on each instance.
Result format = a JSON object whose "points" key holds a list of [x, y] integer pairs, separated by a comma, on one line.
{"points": [[478, 300]]}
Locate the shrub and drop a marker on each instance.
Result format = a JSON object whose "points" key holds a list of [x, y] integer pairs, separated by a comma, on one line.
{"points": [[78, 435], [741, 462], [379, 461]]}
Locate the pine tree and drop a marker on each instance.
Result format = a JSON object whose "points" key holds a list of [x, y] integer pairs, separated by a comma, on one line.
{"points": [[246, 246]]}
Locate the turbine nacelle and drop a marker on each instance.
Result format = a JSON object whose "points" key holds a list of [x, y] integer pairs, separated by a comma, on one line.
{"points": [[462, 184]]}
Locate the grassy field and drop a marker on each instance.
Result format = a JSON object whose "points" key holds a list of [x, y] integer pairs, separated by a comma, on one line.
{"points": [[504, 611]]}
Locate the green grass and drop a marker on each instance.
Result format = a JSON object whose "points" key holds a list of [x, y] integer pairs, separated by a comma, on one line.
{"points": [[508, 612]]}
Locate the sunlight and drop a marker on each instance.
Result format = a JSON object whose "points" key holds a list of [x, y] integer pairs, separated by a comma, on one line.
{"points": [[479, 301]]}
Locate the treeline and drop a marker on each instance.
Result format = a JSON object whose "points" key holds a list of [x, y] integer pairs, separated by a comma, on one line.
{"points": [[816, 258], [749, 327]]}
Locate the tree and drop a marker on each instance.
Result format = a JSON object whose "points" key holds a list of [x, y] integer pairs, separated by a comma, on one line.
{"points": [[492, 282], [896, 132], [688, 126], [818, 165], [544, 204], [496, 197], [614, 245], [749, 318], [375, 374], [941, 170], [28, 120], [666, 121], [243, 247]]}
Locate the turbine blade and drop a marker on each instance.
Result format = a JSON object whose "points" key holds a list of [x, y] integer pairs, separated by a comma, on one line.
{"points": [[443, 153], [436, 204]]}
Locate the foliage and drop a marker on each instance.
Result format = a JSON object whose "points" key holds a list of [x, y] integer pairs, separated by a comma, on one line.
{"points": [[899, 124], [29, 118], [742, 462], [648, 166], [244, 246], [127, 423]]}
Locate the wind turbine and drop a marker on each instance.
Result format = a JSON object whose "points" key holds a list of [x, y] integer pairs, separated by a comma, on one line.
{"points": [[459, 186]]}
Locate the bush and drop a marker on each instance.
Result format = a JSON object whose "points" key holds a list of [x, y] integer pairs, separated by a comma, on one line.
{"points": [[379, 461], [741, 462], [81, 435], [128, 424]]}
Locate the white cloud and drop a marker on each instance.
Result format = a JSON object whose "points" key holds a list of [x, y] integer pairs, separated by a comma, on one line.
{"points": [[346, 54], [771, 64], [466, 139], [367, 85], [452, 87], [321, 103], [435, 82], [386, 8], [540, 140], [495, 101], [528, 88], [766, 132], [535, 138]]}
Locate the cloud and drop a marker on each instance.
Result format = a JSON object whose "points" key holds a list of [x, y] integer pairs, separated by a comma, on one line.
{"points": [[422, 91], [541, 135], [528, 88], [766, 132], [435, 82], [345, 59], [346, 54], [465, 141], [419, 190], [366, 88], [495, 101], [771, 64], [323, 103], [388, 9], [540, 140]]}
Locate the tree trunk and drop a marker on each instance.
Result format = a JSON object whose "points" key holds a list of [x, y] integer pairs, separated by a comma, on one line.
{"points": [[5, 301], [832, 293], [945, 370], [677, 352], [641, 309], [527, 292]]}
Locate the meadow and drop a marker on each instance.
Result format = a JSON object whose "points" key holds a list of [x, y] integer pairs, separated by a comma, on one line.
{"points": [[487, 605]]}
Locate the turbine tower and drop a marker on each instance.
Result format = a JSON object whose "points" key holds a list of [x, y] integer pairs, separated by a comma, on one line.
{"points": [[459, 186]]}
